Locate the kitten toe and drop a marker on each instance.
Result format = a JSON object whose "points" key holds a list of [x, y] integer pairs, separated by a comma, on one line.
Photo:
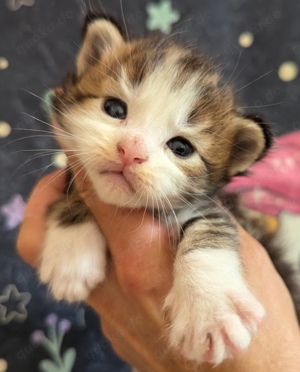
{"points": [[211, 329]]}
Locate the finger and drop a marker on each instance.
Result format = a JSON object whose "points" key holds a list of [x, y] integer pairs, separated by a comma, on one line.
{"points": [[32, 232]]}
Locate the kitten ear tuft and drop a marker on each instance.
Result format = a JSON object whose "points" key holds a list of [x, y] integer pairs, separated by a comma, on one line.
{"points": [[252, 139], [100, 33]]}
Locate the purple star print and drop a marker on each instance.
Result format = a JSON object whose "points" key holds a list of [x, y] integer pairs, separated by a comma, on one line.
{"points": [[13, 211]]}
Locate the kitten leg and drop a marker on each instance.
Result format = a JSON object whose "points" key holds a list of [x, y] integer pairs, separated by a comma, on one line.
{"points": [[73, 258], [212, 313]]}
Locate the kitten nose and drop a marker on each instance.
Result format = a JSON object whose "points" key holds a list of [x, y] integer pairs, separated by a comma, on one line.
{"points": [[132, 152]]}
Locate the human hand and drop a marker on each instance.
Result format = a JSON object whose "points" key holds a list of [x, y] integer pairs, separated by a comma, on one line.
{"points": [[139, 276]]}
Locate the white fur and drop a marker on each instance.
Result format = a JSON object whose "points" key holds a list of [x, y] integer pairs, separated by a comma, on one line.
{"points": [[211, 311], [73, 260]]}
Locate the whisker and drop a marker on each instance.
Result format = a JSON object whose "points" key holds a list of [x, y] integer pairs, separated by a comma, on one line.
{"points": [[260, 106], [238, 61], [260, 77], [167, 221]]}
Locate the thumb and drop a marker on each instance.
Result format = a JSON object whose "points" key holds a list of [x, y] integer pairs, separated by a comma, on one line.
{"points": [[32, 232]]}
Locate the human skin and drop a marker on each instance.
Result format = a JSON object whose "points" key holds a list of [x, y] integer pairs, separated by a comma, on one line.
{"points": [[139, 275]]}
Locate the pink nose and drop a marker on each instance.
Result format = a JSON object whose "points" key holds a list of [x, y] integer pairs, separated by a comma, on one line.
{"points": [[132, 152]]}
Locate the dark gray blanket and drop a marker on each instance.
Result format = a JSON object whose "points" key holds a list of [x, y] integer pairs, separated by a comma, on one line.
{"points": [[256, 43]]}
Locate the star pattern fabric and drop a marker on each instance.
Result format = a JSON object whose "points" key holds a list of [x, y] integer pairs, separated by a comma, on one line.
{"points": [[161, 16], [11, 295]]}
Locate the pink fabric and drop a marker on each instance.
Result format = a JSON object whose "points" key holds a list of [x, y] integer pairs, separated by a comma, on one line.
{"points": [[273, 184]]}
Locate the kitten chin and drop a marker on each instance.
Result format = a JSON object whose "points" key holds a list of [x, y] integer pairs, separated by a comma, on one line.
{"points": [[154, 127]]}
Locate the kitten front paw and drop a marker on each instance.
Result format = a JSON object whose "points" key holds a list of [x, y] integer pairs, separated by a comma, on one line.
{"points": [[73, 260], [211, 322]]}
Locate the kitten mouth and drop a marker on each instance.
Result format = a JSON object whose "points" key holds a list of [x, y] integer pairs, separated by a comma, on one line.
{"points": [[119, 179]]}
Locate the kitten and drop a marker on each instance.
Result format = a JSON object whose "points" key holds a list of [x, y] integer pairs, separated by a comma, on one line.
{"points": [[154, 127]]}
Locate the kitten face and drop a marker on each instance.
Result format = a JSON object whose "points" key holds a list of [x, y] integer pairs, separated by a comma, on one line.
{"points": [[150, 121]]}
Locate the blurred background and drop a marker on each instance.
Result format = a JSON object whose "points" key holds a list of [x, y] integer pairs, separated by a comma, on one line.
{"points": [[257, 45]]}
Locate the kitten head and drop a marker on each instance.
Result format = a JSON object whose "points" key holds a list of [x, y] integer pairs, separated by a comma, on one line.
{"points": [[150, 120]]}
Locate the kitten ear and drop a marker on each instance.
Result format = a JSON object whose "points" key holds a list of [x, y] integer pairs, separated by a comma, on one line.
{"points": [[251, 141], [100, 33]]}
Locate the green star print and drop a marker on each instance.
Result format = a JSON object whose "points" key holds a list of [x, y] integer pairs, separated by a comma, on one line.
{"points": [[161, 16]]}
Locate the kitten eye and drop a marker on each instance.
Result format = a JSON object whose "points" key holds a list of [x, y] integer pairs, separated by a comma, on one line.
{"points": [[180, 147], [115, 108]]}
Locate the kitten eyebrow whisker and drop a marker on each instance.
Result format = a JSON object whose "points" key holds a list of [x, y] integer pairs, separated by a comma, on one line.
{"points": [[232, 74], [255, 80], [238, 74], [123, 18], [260, 106]]}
